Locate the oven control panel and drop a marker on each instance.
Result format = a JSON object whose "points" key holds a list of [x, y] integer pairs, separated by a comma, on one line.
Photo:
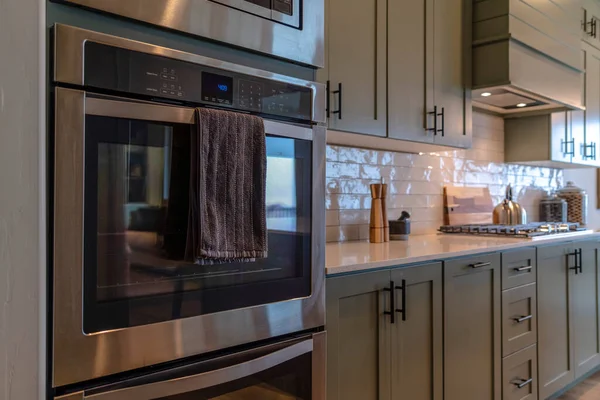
{"points": [[127, 71]]}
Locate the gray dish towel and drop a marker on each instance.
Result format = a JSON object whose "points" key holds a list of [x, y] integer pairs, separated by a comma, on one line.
{"points": [[227, 218]]}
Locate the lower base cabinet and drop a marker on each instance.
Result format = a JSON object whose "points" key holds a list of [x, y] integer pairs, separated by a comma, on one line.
{"points": [[568, 314], [385, 335], [472, 321], [519, 375]]}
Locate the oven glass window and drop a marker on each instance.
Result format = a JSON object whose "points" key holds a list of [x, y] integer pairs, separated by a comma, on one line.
{"points": [[135, 229]]}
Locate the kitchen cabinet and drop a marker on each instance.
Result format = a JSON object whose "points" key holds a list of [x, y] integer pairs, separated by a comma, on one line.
{"points": [[519, 319], [428, 96], [358, 334], [374, 355], [590, 14], [417, 342], [555, 321], [586, 311], [355, 35], [519, 374], [472, 325], [394, 75], [585, 125]]}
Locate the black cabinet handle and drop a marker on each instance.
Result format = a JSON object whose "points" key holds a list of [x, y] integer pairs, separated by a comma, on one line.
{"points": [[521, 383], [328, 101], [523, 318], [480, 265], [339, 93], [403, 309], [526, 268], [443, 121], [592, 23], [580, 255], [576, 255], [565, 144], [391, 313], [435, 118], [592, 154]]}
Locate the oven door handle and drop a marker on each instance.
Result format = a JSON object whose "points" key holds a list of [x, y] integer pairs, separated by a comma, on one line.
{"points": [[149, 111], [188, 384]]}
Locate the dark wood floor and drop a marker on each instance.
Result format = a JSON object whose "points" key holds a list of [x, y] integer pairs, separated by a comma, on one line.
{"points": [[589, 389]]}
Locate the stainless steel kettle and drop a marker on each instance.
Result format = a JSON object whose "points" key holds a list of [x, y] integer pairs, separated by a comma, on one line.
{"points": [[509, 212]]}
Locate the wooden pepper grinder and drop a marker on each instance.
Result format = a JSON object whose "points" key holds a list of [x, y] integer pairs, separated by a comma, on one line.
{"points": [[376, 231], [384, 214]]}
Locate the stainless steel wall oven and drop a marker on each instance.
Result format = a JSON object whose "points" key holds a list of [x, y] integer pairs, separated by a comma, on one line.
{"points": [[289, 29], [123, 296]]}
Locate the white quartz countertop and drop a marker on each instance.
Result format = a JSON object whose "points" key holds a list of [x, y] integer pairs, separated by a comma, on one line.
{"points": [[360, 256]]}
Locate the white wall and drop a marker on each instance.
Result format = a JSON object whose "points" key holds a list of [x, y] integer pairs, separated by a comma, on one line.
{"points": [[586, 179], [22, 199]]}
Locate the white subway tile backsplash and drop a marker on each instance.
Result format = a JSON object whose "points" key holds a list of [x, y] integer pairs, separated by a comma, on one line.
{"points": [[416, 181]]}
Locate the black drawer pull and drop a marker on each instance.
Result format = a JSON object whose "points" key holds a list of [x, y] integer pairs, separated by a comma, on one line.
{"points": [[523, 319], [480, 265], [391, 313], [521, 269], [521, 383]]}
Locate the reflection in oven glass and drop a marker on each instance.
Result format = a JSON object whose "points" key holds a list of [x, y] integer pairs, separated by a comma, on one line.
{"points": [[142, 213]]}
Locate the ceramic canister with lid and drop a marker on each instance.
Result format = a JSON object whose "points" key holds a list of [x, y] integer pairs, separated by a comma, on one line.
{"points": [[577, 202]]}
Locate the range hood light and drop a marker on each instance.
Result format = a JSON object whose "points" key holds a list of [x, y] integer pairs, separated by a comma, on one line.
{"points": [[521, 105], [486, 94]]}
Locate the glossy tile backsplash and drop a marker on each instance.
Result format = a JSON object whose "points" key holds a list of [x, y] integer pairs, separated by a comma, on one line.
{"points": [[417, 181]]}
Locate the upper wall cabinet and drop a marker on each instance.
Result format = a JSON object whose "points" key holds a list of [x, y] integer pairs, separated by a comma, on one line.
{"points": [[590, 15], [428, 58], [399, 68], [355, 65]]}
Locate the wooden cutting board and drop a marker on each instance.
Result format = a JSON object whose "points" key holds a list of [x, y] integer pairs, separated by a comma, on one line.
{"points": [[467, 205]]}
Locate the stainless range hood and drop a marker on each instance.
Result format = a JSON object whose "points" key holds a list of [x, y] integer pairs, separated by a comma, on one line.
{"points": [[527, 57]]}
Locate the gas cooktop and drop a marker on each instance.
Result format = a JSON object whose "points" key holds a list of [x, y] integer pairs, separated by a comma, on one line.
{"points": [[533, 230]]}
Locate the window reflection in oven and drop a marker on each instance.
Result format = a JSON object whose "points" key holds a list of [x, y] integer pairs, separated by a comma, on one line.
{"points": [[135, 228]]}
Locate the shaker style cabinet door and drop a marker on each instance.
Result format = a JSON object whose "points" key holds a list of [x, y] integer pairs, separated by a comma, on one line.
{"points": [[585, 301], [358, 335], [410, 74], [472, 322], [452, 57], [590, 15], [556, 268], [356, 65], [417, 342]]}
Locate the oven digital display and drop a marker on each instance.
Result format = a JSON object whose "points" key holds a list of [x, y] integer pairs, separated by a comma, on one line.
{"points": [[217, 88]]}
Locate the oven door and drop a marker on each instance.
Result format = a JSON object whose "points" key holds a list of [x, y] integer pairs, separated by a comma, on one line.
{"points": [[290, 29], [293, 370], [124, 297]]}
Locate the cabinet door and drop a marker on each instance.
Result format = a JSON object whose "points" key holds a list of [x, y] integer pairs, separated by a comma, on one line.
{"points": [[356, 59], [590, 15], [410, 70], [592, 104], [585, 311], [417, 344], [358, 335], [452, 54], [555, 357], [472, 362], [562, 147]]}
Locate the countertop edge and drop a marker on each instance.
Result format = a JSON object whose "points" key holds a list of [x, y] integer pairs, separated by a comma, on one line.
{"points": [[398, 262]]}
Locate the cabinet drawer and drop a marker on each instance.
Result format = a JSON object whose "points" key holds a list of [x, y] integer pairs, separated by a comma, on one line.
{"points": [[518, 268], [519, 318], [519, 374]]}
